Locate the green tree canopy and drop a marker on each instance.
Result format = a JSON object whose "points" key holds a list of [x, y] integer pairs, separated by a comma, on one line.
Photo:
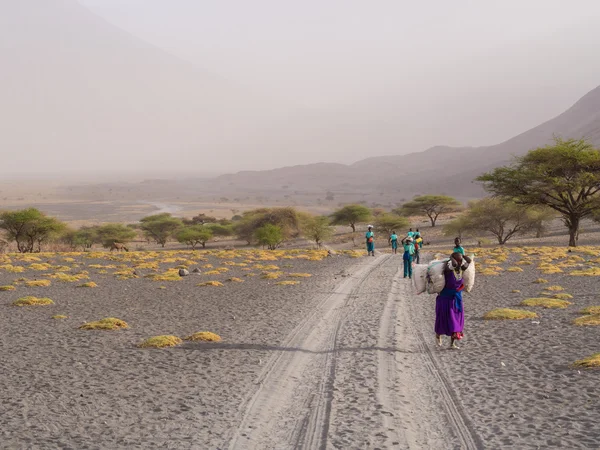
{"points": [[193, 235], [160, 227], [30, 228], [285, 218], [220, 230], [502, 218], [431, 206], [564, 176], [269, 235], [390, 222], [114, 232], [351, 215], [317, 229]]}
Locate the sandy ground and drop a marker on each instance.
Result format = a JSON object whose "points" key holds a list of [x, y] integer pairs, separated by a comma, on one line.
{"points": [[346, 359]]}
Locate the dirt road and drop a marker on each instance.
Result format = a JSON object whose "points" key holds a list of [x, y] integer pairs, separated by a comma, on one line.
{"points": [[359, 372]]}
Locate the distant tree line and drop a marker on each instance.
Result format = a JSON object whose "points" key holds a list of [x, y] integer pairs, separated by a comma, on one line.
{"points": [[559, 180]]}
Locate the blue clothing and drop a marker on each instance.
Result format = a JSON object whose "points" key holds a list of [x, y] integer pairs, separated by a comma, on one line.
{"points": [[409, 250], [459, 249], [457, 295], [370, 236], [410, 234], [394, 241], [407, 266]]}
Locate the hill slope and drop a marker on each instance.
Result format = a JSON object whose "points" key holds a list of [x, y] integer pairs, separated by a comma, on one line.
{"points": [[440, 169]]}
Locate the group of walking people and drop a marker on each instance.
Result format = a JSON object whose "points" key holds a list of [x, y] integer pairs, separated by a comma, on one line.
{"points": [[449, 312], [411, 243]]}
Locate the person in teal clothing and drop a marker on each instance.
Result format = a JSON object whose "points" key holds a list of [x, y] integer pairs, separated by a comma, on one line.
{"points": [[409, 251], [394, 242], [410, 234], [370, 237], [458, 247]]}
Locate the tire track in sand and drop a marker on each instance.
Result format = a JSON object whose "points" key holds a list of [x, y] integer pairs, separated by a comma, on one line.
{"points": [[460, 424], [292, 406]]}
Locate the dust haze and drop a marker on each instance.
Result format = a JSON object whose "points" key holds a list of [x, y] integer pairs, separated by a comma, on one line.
{"points": [[199, 88]]}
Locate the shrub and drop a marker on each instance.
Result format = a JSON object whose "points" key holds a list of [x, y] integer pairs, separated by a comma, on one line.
{"points": [[205, 336], [509, 314], [7, 288], [588, 320], [547, 303], [60, 316], [89, 284], [39, 283], [33, 301], [287, 283], [109, 323], [211, 283], [591, 310], [161, 342], [590, 361]]}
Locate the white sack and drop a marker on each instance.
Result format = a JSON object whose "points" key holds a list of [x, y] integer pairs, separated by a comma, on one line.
{"points": [[435, 276], [419, 278], [469, 275]]}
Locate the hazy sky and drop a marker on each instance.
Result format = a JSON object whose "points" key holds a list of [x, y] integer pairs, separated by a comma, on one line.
{"points": [[381, 54], [409, 74]]}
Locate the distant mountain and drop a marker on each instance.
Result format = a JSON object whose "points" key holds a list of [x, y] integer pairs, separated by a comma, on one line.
{"points": [[448, 170]]}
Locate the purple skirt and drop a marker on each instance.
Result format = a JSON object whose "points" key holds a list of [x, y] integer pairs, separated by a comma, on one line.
{"points": [[448, 319]]}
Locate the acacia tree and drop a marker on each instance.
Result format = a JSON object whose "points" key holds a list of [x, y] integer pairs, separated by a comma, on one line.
{"points": [[269, 235], [30, 228], [390, 222], [194, 235], [286, 219], [502, 218], [110, 233], [351, 215], [431, 206], [317, 229], [564, 176], [160, 227]]}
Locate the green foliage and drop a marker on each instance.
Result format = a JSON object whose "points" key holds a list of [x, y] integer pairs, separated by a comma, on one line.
{"points": [[200, 219], [317, 229], [30, 228], [502, 218], [285, 218], [160, 227], [390, 222], [457, 227], [114, 232], [269, 235], [220, 230], [86, 237], [431, 206], [193, 235], [564, 176], [351, 215]]}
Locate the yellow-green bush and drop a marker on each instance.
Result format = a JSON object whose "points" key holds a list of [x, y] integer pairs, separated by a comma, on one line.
{"points": [[33, 301], [509, 314], [161, 342], [110, 323]]}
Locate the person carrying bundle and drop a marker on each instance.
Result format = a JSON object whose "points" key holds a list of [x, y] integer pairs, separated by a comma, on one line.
{"points": [[394, 242], [449, 313], [409, 251]]}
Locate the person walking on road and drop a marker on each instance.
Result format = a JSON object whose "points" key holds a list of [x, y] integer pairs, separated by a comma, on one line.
{"points": [[370, 237], [449, 313], [394, 242], [409, 251]]}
